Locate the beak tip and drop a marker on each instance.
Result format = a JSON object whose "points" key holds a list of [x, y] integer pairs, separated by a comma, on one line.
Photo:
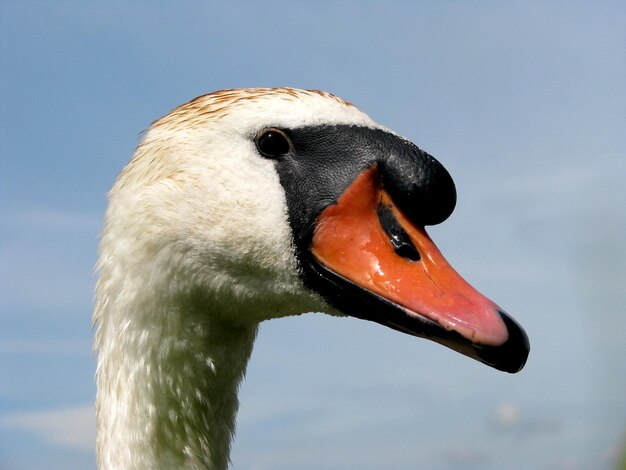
{"points": [[512, 355]]}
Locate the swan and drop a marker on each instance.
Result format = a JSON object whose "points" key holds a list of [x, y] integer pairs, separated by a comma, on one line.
{"points": [[245, 205]]}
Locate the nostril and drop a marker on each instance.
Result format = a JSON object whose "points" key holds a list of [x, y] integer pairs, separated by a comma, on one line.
{"points": [[400, 240]]}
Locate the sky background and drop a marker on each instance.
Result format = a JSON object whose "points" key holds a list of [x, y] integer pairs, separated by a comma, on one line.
{"points": [[523, 102]]}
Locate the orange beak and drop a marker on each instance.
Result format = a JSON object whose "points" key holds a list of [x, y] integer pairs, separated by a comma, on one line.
{"points": [[365, 239]]}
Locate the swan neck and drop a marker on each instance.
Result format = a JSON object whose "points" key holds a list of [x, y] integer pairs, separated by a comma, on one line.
{"points": [[167, 387]]}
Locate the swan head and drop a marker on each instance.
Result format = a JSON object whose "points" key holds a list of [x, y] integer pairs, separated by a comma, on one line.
{"points": [[264, 203]]}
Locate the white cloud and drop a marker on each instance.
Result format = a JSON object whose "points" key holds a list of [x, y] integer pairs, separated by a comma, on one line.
{"points": [[557, 192], [507, 415], [47, 259], [559, 179], [50, 219], [73, 427], [44, 346]]}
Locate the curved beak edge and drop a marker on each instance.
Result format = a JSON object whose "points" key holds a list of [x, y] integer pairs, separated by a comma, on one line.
{"points": [[374, 264]]}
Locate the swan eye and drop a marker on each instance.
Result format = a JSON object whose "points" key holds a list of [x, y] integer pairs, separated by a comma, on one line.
{"points": [[273, 143]]}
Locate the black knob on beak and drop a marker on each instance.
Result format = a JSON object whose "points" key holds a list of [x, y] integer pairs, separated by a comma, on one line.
{"points": [[420, 186]]}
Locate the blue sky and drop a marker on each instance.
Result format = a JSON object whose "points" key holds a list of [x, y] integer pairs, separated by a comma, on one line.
{"points": [[524, 103]]}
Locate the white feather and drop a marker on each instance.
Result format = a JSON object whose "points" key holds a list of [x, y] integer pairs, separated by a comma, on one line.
{"points": [[196, 251]]}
